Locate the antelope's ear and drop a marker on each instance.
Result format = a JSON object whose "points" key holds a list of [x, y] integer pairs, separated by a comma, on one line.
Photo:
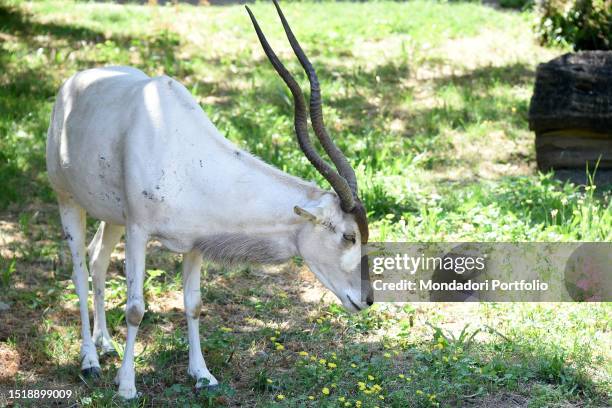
{"points": [[305, 214]]}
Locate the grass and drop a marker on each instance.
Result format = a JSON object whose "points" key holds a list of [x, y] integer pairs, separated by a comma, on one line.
{"points": [[429, 101]]}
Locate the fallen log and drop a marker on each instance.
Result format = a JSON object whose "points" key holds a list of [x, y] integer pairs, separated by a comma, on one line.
{"points": [[571, 112]]}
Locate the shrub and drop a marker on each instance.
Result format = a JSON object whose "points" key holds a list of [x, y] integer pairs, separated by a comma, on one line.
{"points": [[584, 24], [517, 4]]}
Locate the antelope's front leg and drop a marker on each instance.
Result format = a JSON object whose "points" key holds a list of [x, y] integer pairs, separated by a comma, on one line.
{"points": [[135, 247], [192, 263]]}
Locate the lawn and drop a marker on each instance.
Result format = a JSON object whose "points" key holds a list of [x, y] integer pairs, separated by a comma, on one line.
{"points": [[428, 100]]}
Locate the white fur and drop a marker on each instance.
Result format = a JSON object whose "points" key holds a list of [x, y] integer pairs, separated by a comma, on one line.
{"points": [[139, 154]]}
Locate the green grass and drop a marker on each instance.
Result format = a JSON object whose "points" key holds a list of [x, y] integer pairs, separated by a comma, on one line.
{"points": [[429, 101]]}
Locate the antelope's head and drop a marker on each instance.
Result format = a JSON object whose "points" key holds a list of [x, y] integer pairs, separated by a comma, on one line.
{"points": [[335, 227]]}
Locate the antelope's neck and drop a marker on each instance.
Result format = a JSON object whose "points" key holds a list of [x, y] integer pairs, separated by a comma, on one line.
{"points": [[265, 231]]}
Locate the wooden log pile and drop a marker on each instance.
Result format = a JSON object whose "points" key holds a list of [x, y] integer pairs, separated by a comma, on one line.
{"points": [[571, 112]]}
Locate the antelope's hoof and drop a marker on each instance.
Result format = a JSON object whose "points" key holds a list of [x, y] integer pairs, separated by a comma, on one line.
{"points": [[91, 372], [213, 387], [109, 353], [206, 387], [129, 395]]}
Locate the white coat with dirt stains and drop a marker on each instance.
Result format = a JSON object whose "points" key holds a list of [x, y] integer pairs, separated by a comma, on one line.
{"points": [[139, 154]]}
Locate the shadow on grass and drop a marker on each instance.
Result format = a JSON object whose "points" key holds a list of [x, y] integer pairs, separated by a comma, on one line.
{"points": [[16, 22], [477, 96], [482, 93]]}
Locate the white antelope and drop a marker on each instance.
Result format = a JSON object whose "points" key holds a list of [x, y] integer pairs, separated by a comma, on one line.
{"points": [[139, 154]]}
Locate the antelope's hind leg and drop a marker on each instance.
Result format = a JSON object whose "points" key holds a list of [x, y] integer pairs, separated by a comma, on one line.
{"points": [[73, 223], [135, 247], [100, 250], [192, 263]]}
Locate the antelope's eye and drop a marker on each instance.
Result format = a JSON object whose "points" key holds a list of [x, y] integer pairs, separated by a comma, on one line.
{"points": [[349, 238]]}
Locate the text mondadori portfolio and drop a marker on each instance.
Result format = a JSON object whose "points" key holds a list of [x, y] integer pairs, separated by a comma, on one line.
{"points": [[469, 285]]}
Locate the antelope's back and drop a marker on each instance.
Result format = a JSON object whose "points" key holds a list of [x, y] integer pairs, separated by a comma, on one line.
{"points": [[85, 149]]}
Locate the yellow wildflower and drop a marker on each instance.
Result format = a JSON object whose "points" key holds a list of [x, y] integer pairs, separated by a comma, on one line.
{"points": [[272, 338], [381, 397], [226, 329], [419, 392], [325, 391], [269, 381], [401, 376], [331, 365], [310, 397], [322, 361], [341, 399], [353, 365], [280, 397], [387, 355], [279, 346], [371, 377], [303, 354]]}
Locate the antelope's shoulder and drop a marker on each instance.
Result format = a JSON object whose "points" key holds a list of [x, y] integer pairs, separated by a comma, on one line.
{"points": [[168, 89], [90, 79]]}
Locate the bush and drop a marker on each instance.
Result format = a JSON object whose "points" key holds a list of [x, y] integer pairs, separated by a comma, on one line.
{"points": [[584, 24], [517, 4]]}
